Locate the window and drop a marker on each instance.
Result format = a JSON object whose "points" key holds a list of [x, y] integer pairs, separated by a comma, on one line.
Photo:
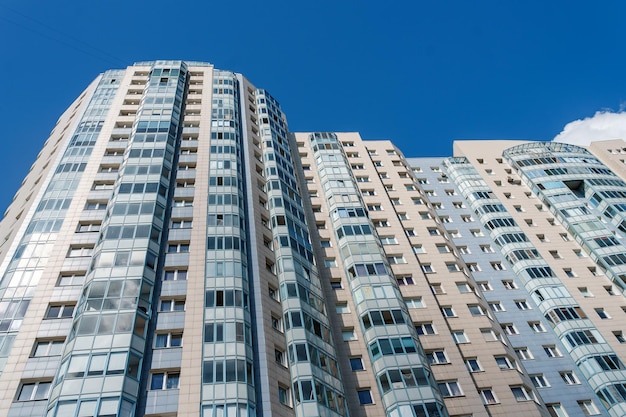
{"points": [[476, 310], [619, 336], [588, 407], [452, 267], [504, 363], [284, 395], [168, 340], [348, 334], [509, 285], [405, 280], [80, 251], [448, 311], [414, 302], [486, 249], [569, 273], [330, 262], [496, 306], [602, 313], [433, 231], [95, 205], [396, 259], [425, 329], [100, 186], [34, 391], [510, 329], [464, 250], [437, 357], [273, 293], [485, 286], [277, 323], [536, 326], [181, 224], [71, 279], [584, 291], [61, 311], [569, 378], [473, 365], [497, 266], [164, 380], [442, 248], [557, 410], [524, 353], [489, 335], [388, 240], [342, 308], [175, 275], [488, 396], [521, 393], [473, 267], [450, 389], [459, 337], [88, 227], [476, 233], [437, 289], [172, 305], [183, 203], [48, 348], [280, 357], [178, 248], [365, 396], [552, 351], [539, 381], [522, 304], [418, 248], [464, 287], [356, 363], [427, 268]]}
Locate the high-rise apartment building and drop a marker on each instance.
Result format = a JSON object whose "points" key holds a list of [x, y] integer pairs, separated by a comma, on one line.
{"points": [[176, 251]]}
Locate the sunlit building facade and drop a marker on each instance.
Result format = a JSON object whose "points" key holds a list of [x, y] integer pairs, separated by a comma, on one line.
{"points": [[176, 251]]}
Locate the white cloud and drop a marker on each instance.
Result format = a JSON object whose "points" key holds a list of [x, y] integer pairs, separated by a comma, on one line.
{"points": [[604, 125]]}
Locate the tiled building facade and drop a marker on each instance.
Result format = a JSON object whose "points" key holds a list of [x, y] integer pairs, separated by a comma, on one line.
{"points": [[176, 251]]}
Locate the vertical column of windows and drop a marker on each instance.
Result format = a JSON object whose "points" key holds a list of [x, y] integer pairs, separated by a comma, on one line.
{"points": [[30, 259], [228, 357], [116, 303], [367, 269], [315, 380]]}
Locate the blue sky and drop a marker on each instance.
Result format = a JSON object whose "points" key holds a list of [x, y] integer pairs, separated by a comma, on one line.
{"points": [[421, 73]]}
